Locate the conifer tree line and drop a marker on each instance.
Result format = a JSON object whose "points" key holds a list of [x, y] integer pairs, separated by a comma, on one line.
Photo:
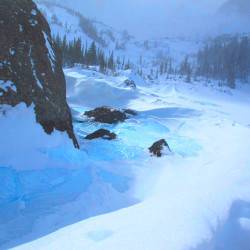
{"points": [[161, 67], [166, 67], [76, 52], [225, 59], [186, 69]]}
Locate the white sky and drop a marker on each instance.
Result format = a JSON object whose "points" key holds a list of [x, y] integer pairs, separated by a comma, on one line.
{"points": [[150, 18]]}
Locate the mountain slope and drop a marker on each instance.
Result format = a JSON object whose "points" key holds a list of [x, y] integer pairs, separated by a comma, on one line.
{"points": [[241, 7], [65, 21], [233, 17]]}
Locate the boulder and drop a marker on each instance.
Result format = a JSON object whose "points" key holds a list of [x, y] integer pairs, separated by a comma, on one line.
{"points": [[106, 115], [31, 66], [158, 148], [101, 133], [130, 83]]}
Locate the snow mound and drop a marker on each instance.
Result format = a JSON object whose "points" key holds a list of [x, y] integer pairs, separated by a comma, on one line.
{"points": [[41, 174], [95, 90], [26, 141]]}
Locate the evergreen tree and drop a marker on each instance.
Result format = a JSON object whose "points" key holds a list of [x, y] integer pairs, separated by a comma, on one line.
{"points": [[102, 61], [186, 69], [225, 59], [127, 65], [91, 56], [162, 68], [111, 63], [74, 52]]}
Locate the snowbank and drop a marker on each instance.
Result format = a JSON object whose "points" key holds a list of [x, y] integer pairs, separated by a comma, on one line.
{"points": [[24, 143], [91, 89], [191, 198], [44, 179]]}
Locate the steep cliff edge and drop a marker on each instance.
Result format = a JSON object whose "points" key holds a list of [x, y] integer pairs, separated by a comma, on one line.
{"points": [[30, 66]]}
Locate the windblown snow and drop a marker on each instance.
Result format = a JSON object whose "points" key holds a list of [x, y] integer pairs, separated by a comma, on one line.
{"points": [[139, 202]]}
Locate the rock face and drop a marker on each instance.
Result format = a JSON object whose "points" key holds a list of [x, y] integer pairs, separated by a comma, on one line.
{"points": [[107, 115], [30, 66], [101, 133], [158, 147]]}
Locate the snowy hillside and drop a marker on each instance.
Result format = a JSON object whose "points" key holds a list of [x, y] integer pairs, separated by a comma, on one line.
{"points": [[197, 196], [65, 21], [70, 23]]}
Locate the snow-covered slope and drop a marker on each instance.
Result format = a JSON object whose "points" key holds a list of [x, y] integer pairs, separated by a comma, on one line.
{"points": [[65, 21], [182, 199]]}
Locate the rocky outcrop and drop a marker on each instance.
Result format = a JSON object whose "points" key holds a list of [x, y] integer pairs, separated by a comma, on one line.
{"points": [[158, 148], [109, 115], [101, 133], [30, 66]]}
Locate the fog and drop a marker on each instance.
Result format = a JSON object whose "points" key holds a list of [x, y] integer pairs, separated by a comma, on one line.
{"points": [[153, 18]]}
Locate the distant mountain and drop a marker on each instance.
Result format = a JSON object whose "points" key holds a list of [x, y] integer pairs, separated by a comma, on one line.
{"points": [[236, 7], [66, 21], [233, 17]]}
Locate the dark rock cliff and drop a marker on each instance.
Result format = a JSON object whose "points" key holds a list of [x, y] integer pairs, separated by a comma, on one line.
{"points": [[30, 66]]}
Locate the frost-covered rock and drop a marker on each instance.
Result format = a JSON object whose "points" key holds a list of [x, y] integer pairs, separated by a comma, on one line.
{"points": [[30, 66], [159, 147], [101, 133]]}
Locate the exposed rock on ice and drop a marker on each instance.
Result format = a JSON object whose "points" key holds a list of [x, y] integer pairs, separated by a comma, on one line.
{"points": [[101, 133], [158, 147]]}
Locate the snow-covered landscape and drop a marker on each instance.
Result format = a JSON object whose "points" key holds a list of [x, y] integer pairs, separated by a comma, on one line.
{"points": [[119, 190]]}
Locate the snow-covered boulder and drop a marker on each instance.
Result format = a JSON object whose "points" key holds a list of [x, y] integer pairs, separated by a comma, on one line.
{"points": [[30, 66]]}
